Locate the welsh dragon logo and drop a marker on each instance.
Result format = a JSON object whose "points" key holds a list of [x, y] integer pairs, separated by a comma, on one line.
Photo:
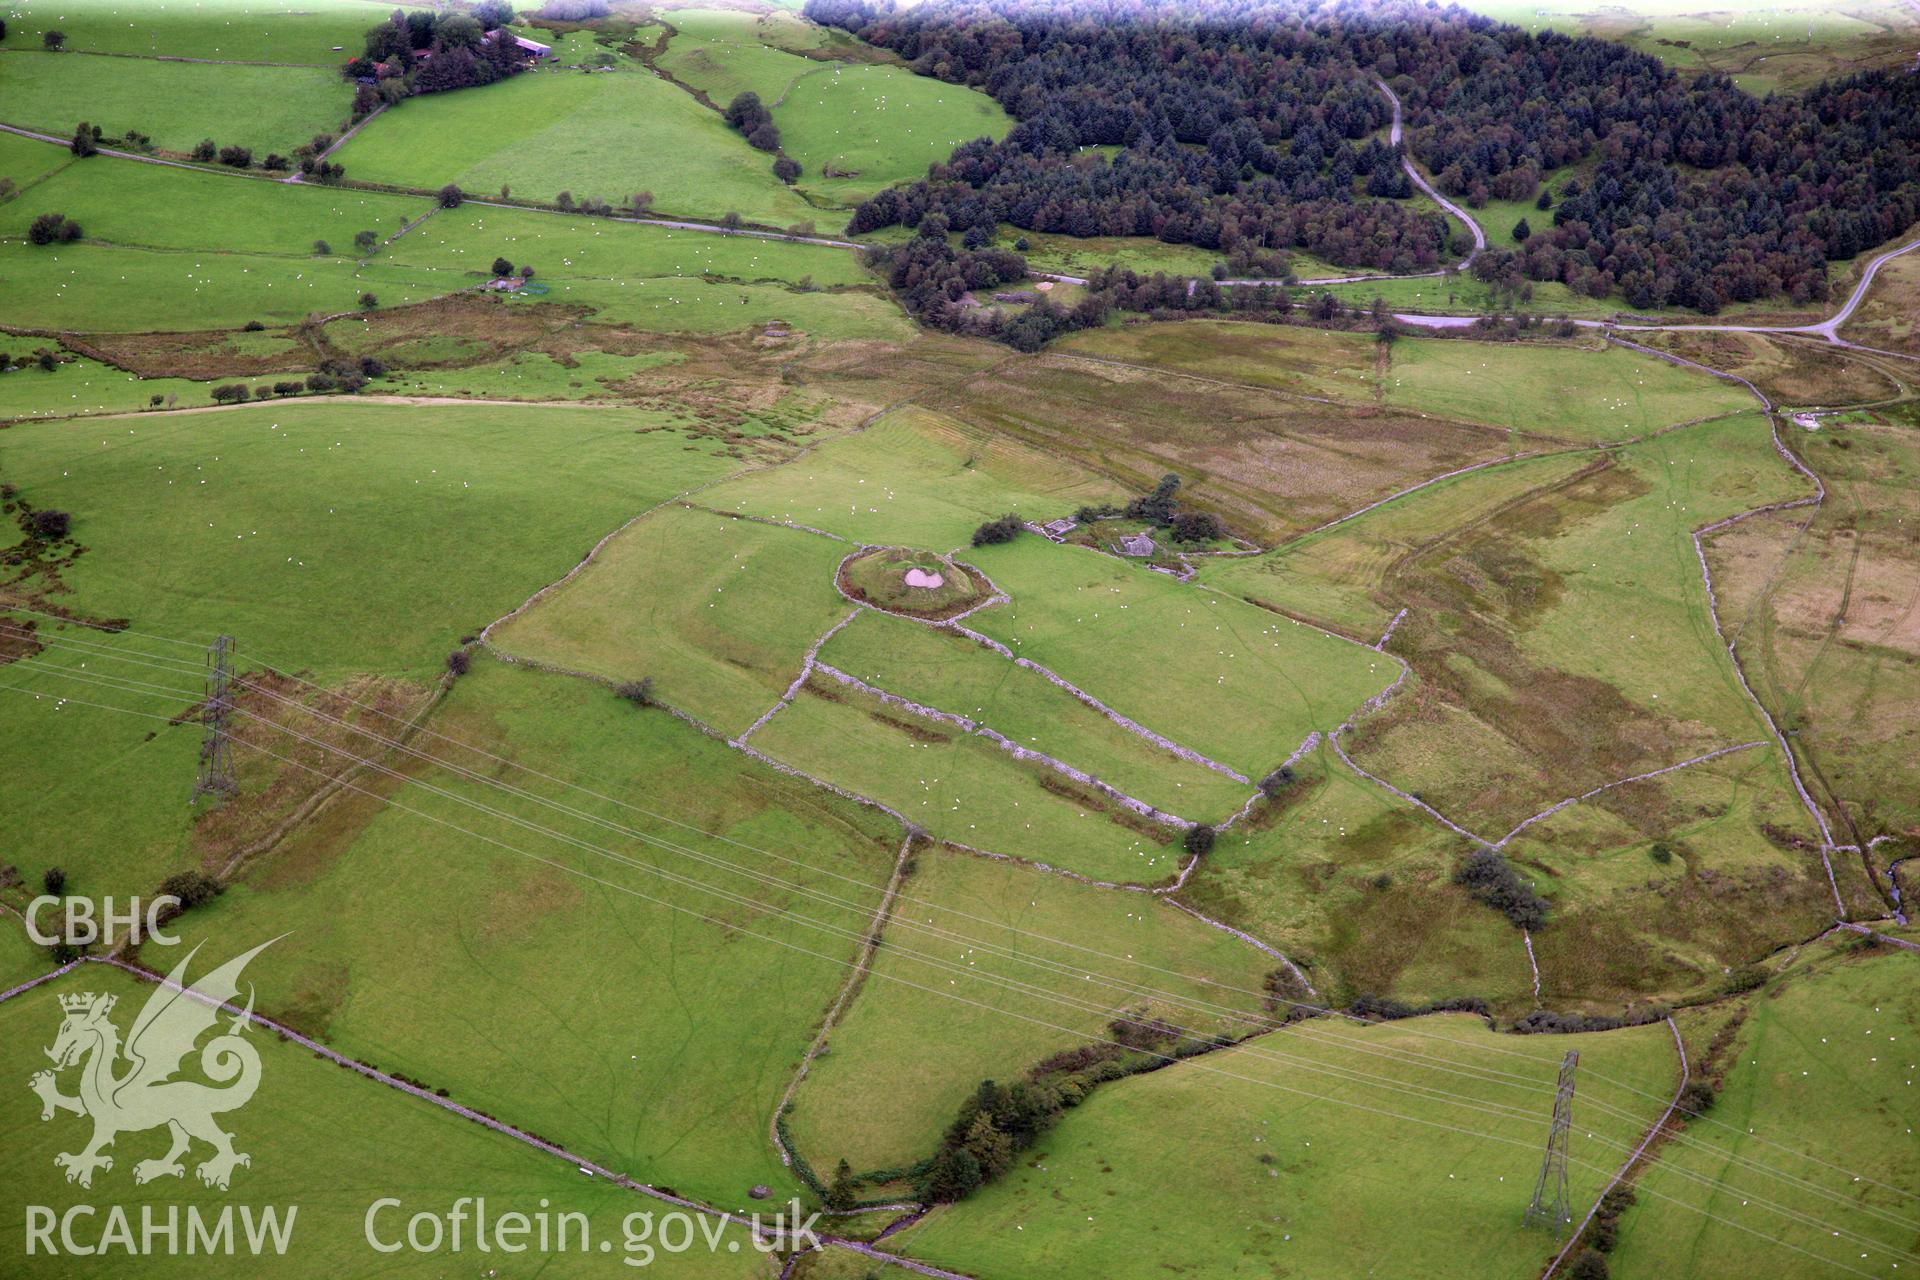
{"points": [[143, 1093]]}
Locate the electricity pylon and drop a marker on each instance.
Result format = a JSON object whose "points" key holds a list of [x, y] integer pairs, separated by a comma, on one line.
{"points": [[1551, 1207], [216, 744]]}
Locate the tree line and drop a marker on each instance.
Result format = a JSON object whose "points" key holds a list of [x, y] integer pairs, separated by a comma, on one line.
{"points": [[1231, 124], [433, 51]]}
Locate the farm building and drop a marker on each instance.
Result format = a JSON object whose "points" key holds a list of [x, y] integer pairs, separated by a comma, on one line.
{"points": [[1139, 544], [532, 48]]}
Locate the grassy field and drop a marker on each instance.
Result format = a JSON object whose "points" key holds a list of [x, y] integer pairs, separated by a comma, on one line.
{"points": [[146, 206], [1667, 884], [645, 1022], [174, 103], [472, 236], [92, 287], [1832, 643], [961, 787], [1240, 684], [1270, 463], [1263, 1177], [1813, 1083], [1790, 371], [726, 52], [101, 795], [1022, 996], [949, 672], [378, 1142], [20, 957], [1083, 255], [28, 160], [148, 231], [239, 30], [1885, 318], [300, 512], [297, 511], [80, 385], [915, 479], [1504, 621], [1582, 394], [659, 279], [1357, 887], [697, 306], [718, 613], [1569, 392], [1343, 577], [1765, 45], [1321, 362], [603, 135], [877, 125], [532, 376]]}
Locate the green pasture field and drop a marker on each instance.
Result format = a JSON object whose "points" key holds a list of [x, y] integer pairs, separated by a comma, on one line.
{"points": [[102, 795], [324, 1143], [878, 125], [1583, 602], [949, 672], [913, 478], [1208, 670], [1636, 575], [1263, 1177], [1820, 1064], [565, 980], [1343, 577], [718, 613], [80, 386], [311, 581], [961, 787], [104, 288], [228, 30], [147, 206], [260, 265], [1603, 395], [345, 537], [661, 279], [602, 135], [599, 47], [532, 375], [28, 160], [726, 52], [1083, 255], [1498, 218], [931, 1034], [20, 958], [472, 236], [693, 305], [1321, 362], [174, 103]]}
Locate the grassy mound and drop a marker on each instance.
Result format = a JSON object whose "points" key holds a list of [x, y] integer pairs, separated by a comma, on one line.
{"points": [[880, 578]]}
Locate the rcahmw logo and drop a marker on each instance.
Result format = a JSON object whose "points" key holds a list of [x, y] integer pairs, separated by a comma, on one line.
{"points": [[130, 1086]]}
